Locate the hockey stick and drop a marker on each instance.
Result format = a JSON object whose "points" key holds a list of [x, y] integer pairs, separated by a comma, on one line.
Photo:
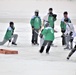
{"points": [[37, 33]]}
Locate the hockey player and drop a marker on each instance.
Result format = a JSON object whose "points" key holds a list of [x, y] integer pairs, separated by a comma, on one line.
{"points": [[63, 26], [50, 17], [48, 33], [35, 25], [74, 49], [9, 35], [68, 34]]}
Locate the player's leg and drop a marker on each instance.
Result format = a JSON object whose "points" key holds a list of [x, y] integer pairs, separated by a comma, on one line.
{"points": [[48, 46], [43, 46], [32, 37], [41, 41], [71, 42], [72, 51], [67, 42], [14, 36], [36, 36], [63, 39], [3, 42]]}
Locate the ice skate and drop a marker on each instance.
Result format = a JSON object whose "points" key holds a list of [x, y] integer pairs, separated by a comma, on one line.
{"points": [[66, 48], [67, 58], [47, 52], [36, 43], [13, 43]]}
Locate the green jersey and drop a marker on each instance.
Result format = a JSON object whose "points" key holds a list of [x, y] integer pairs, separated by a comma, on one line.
{"points": [[8, 34], [63, 25], [36, 22], [51, 20], [48, 33]]}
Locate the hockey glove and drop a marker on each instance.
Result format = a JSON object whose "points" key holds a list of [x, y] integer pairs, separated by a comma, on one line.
{"points": [[9, 40], [54, 15], [71, 33], [63, 30]]}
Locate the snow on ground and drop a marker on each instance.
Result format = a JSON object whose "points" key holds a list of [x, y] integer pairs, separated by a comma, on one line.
{"points": [[29, 61]]}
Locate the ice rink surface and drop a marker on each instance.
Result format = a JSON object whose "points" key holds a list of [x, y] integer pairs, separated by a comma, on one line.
{"points": [[29, 61]]}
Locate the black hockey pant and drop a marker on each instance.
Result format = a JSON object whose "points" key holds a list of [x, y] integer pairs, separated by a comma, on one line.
{"points": [[35, 36], [72, 51], [48, 43], [63, 39]]}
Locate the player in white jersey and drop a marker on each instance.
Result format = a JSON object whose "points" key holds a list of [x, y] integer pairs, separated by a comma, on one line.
{"points": [[68, 34]]}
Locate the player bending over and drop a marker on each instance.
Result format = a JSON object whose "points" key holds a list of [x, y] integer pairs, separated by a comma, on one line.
{"points": [[9, 35]]}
